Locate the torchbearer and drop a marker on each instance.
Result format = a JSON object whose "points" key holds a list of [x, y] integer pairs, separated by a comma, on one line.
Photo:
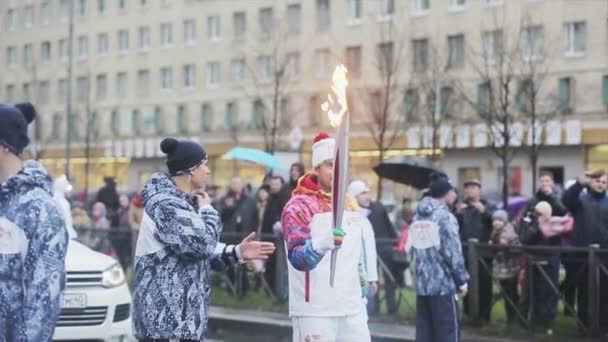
{"points": [[319, 311]]}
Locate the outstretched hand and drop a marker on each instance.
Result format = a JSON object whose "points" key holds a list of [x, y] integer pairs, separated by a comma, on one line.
{"points": [[253, 249]]}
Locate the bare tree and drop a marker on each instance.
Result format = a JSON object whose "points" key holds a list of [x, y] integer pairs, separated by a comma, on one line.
{"points": [[383, 94]]}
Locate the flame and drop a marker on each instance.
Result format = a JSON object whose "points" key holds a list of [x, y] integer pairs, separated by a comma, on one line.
{"points": [[339, 95]]}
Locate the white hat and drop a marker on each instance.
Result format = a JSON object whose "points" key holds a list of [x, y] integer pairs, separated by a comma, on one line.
{"points": [[323, 149], [357, 187]]}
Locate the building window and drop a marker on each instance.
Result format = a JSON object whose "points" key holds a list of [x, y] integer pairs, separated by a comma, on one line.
{"points": [[144, 38], [492, 2], [239, 23], [123, 41], [566, 94], [575, 38], [143, 83], [121, 85], [456, 5], [213, 27], [447, 102], [386, 57], [387, 8], [456, 51], [354, 10], [213, 74], [114, 122], [189, 76], [532, 43], [45, 52], [28, 54], [102, 7], [492, 46], [231, 114], [28, 16], [102, 87], [292, 66], [83, 47], [353, 61], [158, 119], [11, 56], [322, 58], [294, 18], [82, 91], [122, 5], [237, 67], [166, 35], [189, 32], [314, 110], [63, 50], [11, 20], [265, 69], [420, 7], [266, 17], [43, 92], [135, 121], [62, 90], [258, 115], [45, 12], [605, 90], [64, 9], [56, 126], [102, 44], [410, 103], [145, 3], [323, 15], [206, 118], [180, 120], [27, 92], [10, 93], [166, 78], [483, 99], [421, 53]]}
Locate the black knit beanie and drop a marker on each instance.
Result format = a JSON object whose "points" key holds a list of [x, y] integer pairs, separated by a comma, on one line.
{"points": [[182, 155], [440, 185], [13, 125]]}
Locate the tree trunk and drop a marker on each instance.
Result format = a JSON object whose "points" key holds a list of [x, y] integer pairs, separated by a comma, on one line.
{"points": [[534, 164], [380, 159]]}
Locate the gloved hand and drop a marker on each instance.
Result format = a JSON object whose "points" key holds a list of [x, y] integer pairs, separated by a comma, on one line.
{"points": [[332, 240]]}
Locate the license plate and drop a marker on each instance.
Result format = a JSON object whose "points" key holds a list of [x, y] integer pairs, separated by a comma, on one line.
{"points": [[74, 301]]}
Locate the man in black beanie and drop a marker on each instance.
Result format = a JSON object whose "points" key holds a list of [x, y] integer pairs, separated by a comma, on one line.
{"points": [[33, 237], [440, 272], [178, 244]]}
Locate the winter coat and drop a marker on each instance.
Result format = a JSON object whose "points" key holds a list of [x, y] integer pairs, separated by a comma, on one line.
{"points": [[435, 247], [505, 265], [274, 209], [475, 225], [307, 215], [557, 208], [33, 244], [176, 249], [590, 213], [242, 217]]}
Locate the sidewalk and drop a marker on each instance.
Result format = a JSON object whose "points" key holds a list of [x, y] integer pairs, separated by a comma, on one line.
{"points": [[280, 325]]}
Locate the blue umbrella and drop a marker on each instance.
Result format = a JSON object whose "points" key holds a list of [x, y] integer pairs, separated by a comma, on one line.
{"points": [[255, 156]]}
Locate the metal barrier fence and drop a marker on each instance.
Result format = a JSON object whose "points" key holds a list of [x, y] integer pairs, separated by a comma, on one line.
{"points": [[591, 264]]}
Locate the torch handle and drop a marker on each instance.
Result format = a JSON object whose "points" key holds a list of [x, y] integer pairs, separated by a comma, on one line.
{"points": [[332, 267]]}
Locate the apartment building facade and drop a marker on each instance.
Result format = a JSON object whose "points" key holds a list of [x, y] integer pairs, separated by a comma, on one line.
{"points": [[226, 72]]}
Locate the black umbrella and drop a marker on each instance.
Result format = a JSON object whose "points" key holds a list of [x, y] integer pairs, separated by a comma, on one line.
{"points": [[410, 170]]}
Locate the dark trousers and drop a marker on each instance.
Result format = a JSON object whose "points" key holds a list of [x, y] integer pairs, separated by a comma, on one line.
{"points": [[509, 288], [540, 296], [391, 287], [437, 319], [568, 285], [485, 290]]}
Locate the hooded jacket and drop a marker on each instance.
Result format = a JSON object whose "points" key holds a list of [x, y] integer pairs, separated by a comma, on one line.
{"points": [[435, 246], [308, 215], [33, 244], [176, 249]]}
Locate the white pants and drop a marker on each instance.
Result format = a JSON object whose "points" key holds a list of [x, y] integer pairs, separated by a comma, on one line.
{"points": [[331, 329]]}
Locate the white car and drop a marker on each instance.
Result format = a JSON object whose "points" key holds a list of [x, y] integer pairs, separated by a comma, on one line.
{"points": [[96, 301]]}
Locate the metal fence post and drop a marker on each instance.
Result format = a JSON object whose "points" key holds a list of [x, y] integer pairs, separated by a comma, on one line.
{"points": [[593, 283], [473, 296]]}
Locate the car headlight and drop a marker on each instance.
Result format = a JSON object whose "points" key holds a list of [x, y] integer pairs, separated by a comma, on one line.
{"points": [[113, 276]]}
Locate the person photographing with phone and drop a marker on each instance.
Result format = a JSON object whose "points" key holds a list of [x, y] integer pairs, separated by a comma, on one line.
{"points": [[435, 247], [178, 245]]}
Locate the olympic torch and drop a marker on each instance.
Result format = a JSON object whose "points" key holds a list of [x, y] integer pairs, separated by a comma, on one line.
{"points": [[336, 108]]}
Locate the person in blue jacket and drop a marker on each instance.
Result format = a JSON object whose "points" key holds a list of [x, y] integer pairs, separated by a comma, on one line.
{"points": [[177, 247], [33, 237], [435, 247]]}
